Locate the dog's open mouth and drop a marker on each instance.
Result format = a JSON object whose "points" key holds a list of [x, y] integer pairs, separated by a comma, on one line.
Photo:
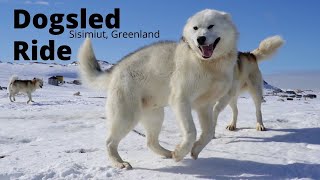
{"points": [[207, 50]]}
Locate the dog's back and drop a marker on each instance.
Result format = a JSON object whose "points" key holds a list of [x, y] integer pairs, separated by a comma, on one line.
{"points": [[23, 86], [247, 67]]}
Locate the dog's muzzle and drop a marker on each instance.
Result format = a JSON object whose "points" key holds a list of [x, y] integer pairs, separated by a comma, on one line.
{"points": [[207, 50]]}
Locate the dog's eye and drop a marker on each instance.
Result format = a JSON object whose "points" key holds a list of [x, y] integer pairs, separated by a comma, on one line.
{"points": [[211, 26], [195, 28]]}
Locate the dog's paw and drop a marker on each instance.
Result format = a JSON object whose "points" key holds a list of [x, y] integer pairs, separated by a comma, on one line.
{"points": [[178, 154], [260, 127], [195, 153], [231, 127], [196, 149], [123, 165]]}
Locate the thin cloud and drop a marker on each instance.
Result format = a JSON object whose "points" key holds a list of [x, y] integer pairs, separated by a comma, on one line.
{"points": [[45, 3], [42, 3]]}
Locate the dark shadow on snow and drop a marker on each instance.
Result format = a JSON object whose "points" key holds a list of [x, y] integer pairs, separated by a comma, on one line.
{"points": [[220, 168], [305, 135]]}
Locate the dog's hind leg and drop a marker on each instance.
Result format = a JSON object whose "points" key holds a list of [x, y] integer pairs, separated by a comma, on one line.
{"points": [[14, 96], [207, 126], [233, 104], [255, 90], [152, 121], [257, 98], [119, 129], [10, 97], [123, 117]]}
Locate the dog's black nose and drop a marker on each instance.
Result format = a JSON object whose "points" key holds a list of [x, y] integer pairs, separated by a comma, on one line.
{"points": [[201, 40]]}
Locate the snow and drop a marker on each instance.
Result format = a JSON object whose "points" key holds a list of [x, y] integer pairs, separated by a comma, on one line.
{"points": [[62, 136]]}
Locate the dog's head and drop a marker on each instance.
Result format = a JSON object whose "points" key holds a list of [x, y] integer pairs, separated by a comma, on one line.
{"points": [[210, 34], [38, 82]]}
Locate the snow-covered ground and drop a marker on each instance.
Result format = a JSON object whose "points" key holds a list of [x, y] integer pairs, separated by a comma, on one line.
{"points": [[62, 136]]}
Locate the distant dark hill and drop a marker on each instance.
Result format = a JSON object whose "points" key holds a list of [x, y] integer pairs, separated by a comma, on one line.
{"points": [[270, 87], [101, 62]]}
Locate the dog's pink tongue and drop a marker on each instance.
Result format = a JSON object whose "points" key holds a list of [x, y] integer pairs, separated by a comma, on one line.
{"points": [[207, 51]]}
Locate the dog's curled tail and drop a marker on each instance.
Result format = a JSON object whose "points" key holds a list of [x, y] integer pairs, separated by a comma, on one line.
{"points": [[90, 71], [11, 80], [268, 47]]}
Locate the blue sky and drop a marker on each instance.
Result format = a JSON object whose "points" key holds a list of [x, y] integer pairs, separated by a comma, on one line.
{"points": [[297, 21]]}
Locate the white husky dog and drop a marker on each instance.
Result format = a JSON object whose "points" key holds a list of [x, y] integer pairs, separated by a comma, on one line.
{"points": [[26, 86], [195, 73]]}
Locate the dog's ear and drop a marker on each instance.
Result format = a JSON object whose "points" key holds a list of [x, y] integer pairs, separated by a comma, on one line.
{"points": [[183, 39], [227, 16], [34, 78]]}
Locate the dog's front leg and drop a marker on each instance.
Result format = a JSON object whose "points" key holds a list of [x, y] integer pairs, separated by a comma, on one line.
{"points": [[206, 122], [182, 109], [30, 98], [221, 104]]}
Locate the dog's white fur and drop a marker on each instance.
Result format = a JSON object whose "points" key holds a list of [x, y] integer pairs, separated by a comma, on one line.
{"points": [[179, 74], [138, 89], [198, 83], [247, 77], [26, 86]]}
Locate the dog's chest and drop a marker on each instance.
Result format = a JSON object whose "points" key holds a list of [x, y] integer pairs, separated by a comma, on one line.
{"points": [[215, 88]]}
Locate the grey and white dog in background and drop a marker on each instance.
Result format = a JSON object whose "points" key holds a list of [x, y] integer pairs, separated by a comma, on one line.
{"points": [[26, 86]]}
